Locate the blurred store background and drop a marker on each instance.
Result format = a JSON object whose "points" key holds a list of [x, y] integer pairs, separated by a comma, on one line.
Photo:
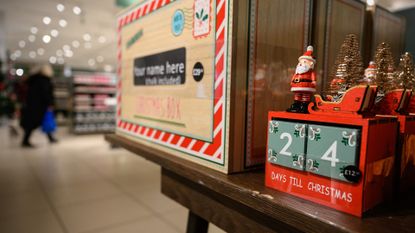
{"points": [[79, 39]]}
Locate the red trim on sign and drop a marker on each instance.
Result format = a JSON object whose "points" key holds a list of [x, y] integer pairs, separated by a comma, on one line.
{"points": [[212, 148], [198, 145], [175, 140], [166, 137], [217, 118], [157, 135], [150, 131], [186, 142], [145, 9]]}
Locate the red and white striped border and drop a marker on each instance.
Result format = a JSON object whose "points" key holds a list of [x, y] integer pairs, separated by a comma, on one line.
{"points": [[214, 151]]}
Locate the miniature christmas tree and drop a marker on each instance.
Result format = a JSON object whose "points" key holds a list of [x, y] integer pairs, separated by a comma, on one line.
{"points": [[348, 67], [405, 76], [385, 67]]}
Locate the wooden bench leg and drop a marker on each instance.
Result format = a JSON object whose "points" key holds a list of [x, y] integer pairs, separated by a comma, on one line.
{"points": [[196, 224]]}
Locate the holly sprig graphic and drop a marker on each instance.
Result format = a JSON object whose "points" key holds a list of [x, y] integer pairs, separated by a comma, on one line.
{"points": [[316, 164], [272, 155], [295, 158], [297, 133], [201, 16], [345, 141], [318, 137]]}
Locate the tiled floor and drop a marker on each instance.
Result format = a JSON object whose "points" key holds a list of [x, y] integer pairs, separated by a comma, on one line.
{"points": [[81, 185]]}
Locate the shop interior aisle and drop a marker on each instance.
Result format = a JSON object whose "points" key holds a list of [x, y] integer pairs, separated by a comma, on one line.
{"points": [[81, 185]]}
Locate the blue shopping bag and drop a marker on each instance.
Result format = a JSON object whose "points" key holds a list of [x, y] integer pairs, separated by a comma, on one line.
{"points": [[48, 123]]}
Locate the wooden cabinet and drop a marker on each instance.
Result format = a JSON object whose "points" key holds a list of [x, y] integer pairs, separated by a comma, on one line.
{"points": [[389, 28]]}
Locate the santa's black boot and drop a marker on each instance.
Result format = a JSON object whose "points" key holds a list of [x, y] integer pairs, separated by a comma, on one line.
{"points": [[295, 107], [304, 107]]}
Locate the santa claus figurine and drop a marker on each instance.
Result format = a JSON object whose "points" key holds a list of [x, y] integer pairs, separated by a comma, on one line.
{"points": [[370, 74], [303, 82]]}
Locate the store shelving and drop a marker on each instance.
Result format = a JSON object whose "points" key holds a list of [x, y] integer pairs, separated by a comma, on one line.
{"points": [[62, 94], [93, 111]]}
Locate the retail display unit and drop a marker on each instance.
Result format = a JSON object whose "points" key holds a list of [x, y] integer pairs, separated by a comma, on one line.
{"points": [[207, 108], [93, 108], [63, 99], [342, 162]]}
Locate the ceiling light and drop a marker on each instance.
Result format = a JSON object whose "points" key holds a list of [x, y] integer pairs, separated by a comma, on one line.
{"points": [[68, 53], [87, 45], [46, 39], [13, 57], [40, 51], [63, 23], [75, 44], [18, 53], [102, 39], [60, 7], [52, 60], [370, 2], [19, 72], [33, 30], [59, 53], [54, 33], [46, 20], [100, 59], [108, 68], [66, 47], [22, 44], [32, 38], [91, 62], [87, 37], [76, 10], [61, 60], [32, 54]]}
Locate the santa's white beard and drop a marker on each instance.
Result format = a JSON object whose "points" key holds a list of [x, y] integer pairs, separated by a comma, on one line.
{"points": [[301, 69]]}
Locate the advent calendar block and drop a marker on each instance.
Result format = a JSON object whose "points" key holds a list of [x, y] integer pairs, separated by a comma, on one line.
{"points": [[405, 152], [282, 137], [340, 162], [331, 149]]}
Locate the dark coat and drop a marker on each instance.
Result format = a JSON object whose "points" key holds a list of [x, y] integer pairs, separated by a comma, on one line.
{"points": [[38, 98]]}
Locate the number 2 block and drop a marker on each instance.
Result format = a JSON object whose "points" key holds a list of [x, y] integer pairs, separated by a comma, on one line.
{"points": [[331, 149], [286, 144]]}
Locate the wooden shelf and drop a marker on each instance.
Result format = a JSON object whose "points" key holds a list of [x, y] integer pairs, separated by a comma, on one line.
{"points": [[242, 203]]}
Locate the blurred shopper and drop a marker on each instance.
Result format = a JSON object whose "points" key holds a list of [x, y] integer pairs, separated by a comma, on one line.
{"points": [[39, 99]]}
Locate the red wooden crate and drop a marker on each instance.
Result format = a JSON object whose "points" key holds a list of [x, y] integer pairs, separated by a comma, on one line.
{"points": [[377, 150]]}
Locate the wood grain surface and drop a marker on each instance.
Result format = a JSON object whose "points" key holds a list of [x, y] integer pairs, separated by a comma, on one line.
{"points": [[229, 200], [344, 17], [389, 28], [278, 37]]}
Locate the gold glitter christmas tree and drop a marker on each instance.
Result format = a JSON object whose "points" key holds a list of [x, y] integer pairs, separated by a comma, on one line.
{"points": [[384, 65], [405, 76], [348, 67]]}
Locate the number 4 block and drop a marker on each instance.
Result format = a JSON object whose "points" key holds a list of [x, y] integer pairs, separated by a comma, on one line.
{"points": [[330, 150]]}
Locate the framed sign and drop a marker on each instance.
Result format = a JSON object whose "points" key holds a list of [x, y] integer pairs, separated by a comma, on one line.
{"points": [[174, 77]]}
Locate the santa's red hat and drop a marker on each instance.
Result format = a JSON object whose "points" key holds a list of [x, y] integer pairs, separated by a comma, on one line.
{"points": [[372, 66], [308, 54]]}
